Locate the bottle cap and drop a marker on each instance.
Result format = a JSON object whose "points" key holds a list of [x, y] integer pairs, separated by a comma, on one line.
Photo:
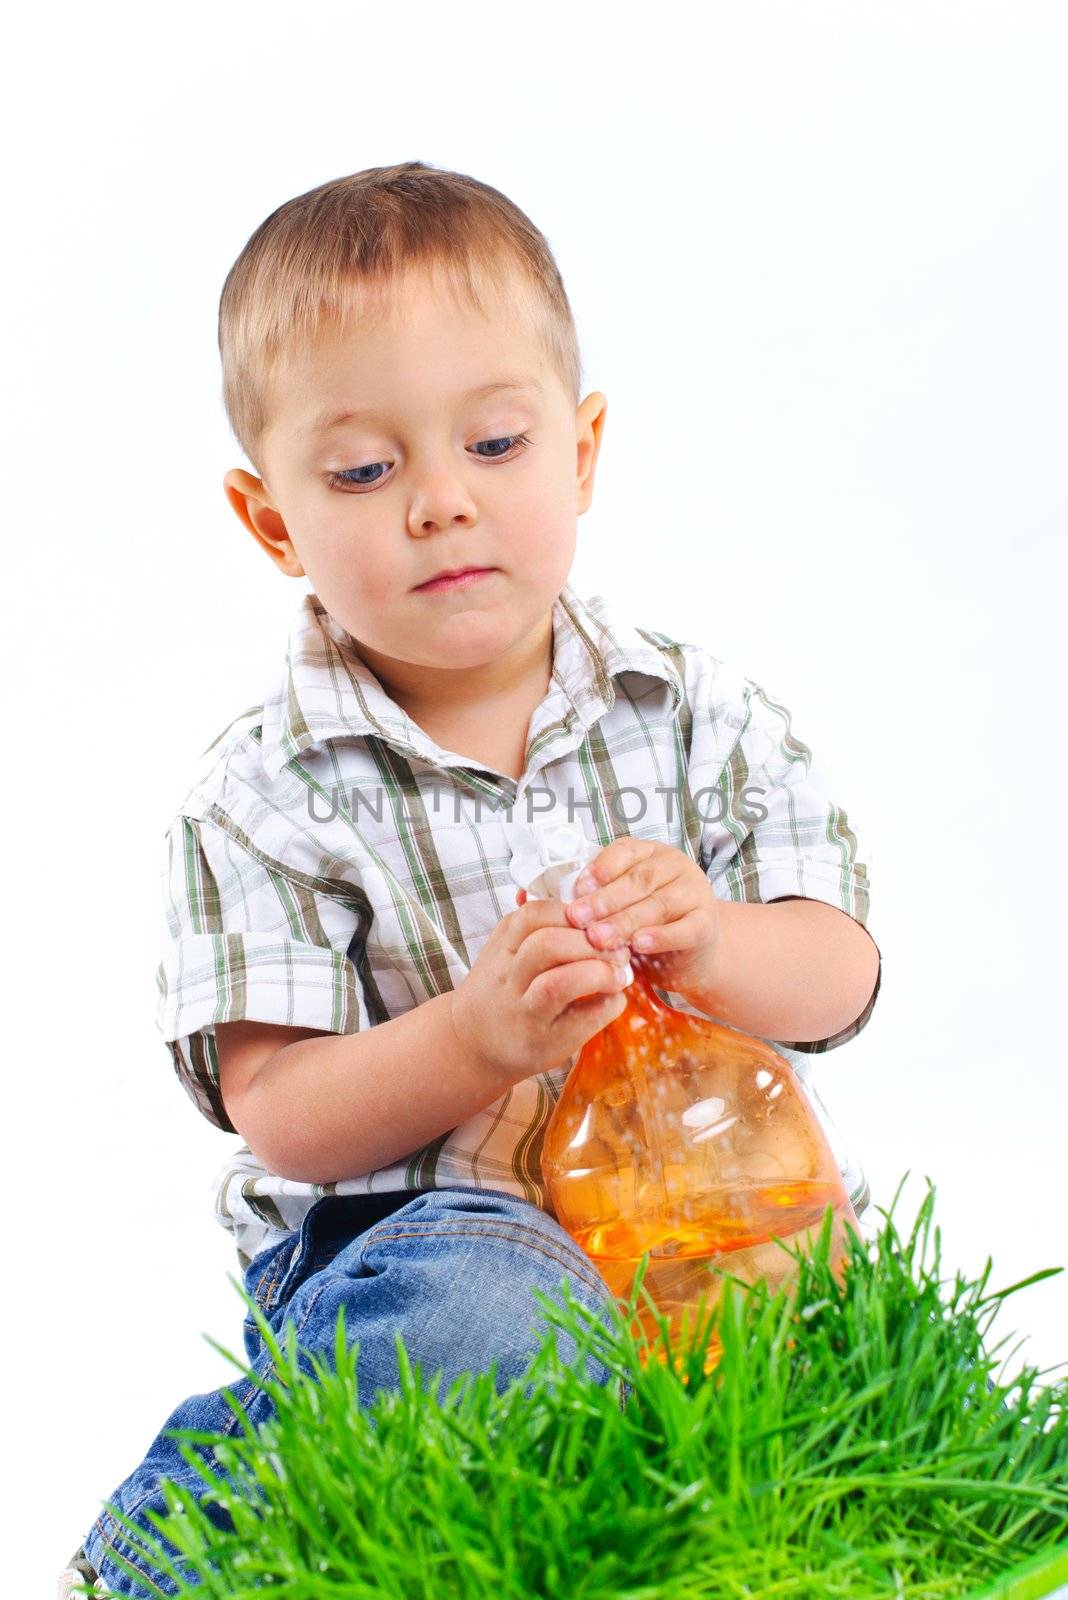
{"points": [[548, 858]]}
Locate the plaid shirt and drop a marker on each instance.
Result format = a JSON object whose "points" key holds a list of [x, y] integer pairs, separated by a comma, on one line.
{"points": [[332, 866]]}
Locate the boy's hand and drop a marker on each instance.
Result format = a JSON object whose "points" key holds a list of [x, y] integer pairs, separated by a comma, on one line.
{"points": [[535, 993], [659, 900]]}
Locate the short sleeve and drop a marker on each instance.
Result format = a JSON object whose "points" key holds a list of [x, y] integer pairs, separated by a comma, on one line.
{"points": [[243, 939], [770, 834]]}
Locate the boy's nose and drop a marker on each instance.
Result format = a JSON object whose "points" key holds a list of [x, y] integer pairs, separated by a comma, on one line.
{"points": [[443, 503]]}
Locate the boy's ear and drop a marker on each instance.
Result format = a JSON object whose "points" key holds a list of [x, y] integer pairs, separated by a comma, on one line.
{"points": [[252, 502], [589, 426]]}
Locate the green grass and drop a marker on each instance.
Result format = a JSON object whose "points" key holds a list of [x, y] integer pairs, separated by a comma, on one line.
{"points": [[857, 1440]]}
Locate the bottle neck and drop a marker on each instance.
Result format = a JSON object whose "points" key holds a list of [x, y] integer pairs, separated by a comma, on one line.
{"points": [[641, 996]]}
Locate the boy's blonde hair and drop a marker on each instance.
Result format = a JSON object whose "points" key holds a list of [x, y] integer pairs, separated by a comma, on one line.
{"points": [[298, 271]]}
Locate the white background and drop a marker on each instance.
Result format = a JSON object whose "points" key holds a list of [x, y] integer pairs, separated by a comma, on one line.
{"points": [[818, 259]]}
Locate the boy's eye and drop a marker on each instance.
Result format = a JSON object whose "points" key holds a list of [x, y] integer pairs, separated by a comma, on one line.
{"points": [[509, 440], [352, 477]]}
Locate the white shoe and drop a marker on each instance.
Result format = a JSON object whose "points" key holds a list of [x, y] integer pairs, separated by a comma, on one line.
{"points": [[79, 1572]]}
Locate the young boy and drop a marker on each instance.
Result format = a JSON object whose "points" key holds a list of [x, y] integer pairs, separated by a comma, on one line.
{"points": [[350, 980]]}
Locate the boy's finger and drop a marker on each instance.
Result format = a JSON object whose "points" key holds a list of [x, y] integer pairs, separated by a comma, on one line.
{"points": [[547, 949], [533, 914], [656, 880], [616, 858]]}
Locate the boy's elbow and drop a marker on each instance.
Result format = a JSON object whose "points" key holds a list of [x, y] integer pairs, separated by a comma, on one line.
{"points": [[871, 962], [278, 1144], [256, 1131], [264, 1099], [865, 979]]}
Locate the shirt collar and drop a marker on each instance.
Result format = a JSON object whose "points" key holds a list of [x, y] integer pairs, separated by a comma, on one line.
{"points": [[329, 692]]}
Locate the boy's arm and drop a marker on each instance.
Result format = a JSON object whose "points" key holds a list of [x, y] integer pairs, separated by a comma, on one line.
{"points": [[275, 1024], [793, 969], [795, 962], [330, 1107]]}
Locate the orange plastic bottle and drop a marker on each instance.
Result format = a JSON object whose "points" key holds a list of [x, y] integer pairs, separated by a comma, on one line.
{"points": [[681, 1136]]}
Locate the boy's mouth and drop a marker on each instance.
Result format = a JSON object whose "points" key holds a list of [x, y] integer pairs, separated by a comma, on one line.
{"points": [[447, 579]]}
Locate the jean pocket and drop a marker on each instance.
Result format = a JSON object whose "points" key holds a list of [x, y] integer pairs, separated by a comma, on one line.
{"points": [[266, 1271]]}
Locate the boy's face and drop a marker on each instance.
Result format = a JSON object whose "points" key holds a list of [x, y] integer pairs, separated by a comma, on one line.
{"points": [[432, 475]]}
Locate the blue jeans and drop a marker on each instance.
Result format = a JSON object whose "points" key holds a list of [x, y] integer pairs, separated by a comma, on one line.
{"points": [[452, 1270]]}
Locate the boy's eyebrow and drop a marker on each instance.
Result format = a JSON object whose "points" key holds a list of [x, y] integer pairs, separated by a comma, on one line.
{"points": [[327, 421]]}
